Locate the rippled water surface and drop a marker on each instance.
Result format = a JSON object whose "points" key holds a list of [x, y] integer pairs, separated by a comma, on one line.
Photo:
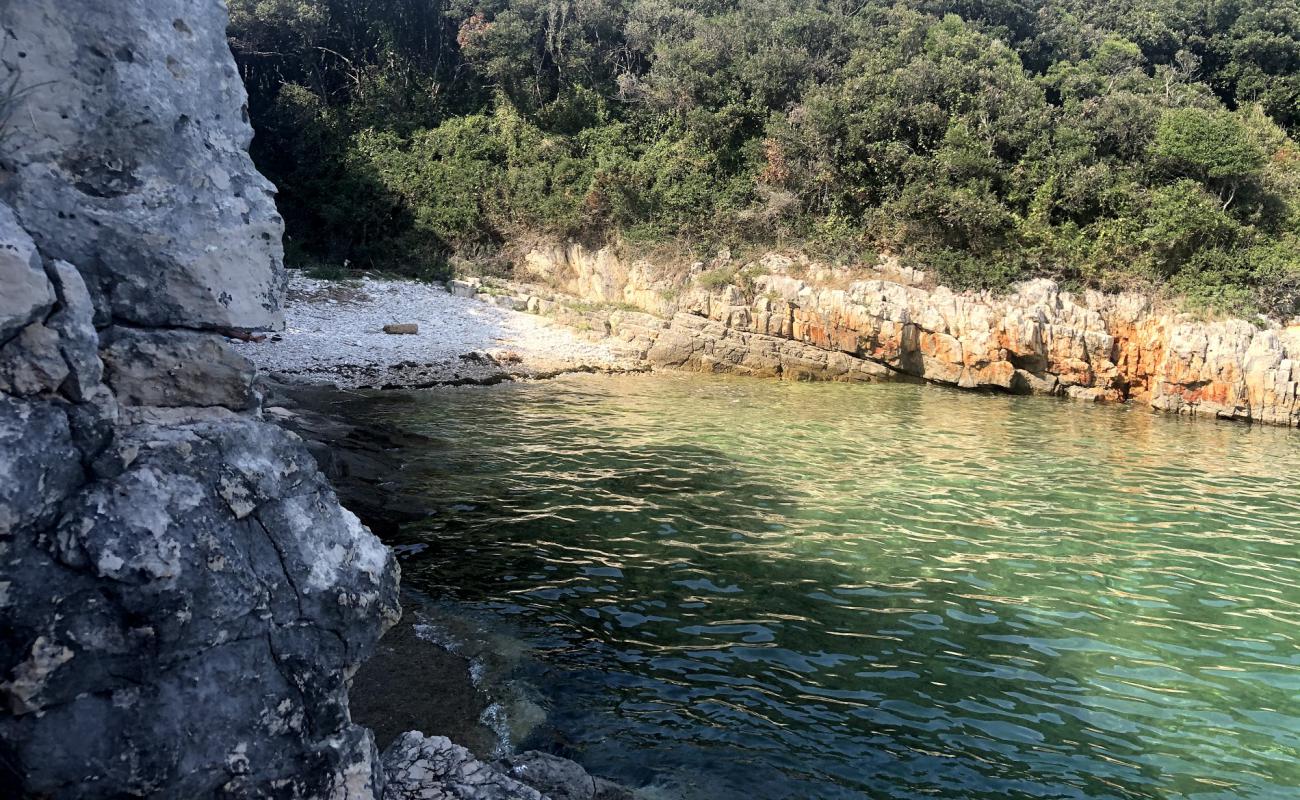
{"points": [[752, 589]]}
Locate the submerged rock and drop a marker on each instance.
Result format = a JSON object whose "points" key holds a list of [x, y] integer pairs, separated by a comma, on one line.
{"points": [[419, 767], [559, 778]]}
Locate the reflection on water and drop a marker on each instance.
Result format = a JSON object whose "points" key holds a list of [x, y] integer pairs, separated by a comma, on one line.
{"points": [[751, 589]]}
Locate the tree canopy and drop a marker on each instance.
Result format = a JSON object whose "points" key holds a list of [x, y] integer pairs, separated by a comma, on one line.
{"points": [[1144, 142]]}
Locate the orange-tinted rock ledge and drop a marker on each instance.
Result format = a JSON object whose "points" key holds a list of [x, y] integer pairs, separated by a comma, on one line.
{"points": [[781, 318]]}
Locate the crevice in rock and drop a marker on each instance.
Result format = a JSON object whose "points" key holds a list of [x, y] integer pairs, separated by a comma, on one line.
{"points": [[284, 564]]}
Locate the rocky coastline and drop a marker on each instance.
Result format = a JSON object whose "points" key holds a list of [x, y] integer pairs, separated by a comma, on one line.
{"points": [[797, 319]]}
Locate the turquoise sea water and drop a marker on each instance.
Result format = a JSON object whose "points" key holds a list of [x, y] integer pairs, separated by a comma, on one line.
{"points": [[753, 589]]}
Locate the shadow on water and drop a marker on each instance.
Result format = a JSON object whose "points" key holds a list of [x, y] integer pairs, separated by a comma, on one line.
{"points": [[730, 628]]}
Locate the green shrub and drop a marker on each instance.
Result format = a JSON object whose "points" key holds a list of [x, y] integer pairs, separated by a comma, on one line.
{"points": [[964, 270], [1275, 269], [1182, 222], [715, 279], [1212, 146], [1217, 281]]}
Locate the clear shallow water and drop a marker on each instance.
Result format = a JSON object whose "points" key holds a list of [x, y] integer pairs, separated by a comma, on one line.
{"points": [[753, 589]]}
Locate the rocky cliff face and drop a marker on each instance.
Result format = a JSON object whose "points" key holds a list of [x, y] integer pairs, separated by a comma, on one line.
{"points": [[126, 155], [779, 317], [183, 598]]}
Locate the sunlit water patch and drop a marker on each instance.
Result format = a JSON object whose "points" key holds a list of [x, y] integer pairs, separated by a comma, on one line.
{"points": [[753, 589]]}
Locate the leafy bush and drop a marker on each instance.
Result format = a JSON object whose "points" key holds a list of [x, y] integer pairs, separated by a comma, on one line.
{"points": [[1212, 146], [1184, 222], [715, 279], [1276, 276], [964, 270]]}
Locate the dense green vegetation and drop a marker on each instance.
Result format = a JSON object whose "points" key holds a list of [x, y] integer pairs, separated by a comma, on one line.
{"points": [[1105, 143]]}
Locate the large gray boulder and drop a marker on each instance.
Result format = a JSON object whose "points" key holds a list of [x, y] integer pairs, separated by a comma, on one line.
{"points": [[31, 362], [419, 767], [78, 339], [39, 468], [195, 613], [128, 159]]}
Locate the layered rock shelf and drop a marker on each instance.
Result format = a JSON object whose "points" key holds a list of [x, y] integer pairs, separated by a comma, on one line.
{"points": [[799, 320]]}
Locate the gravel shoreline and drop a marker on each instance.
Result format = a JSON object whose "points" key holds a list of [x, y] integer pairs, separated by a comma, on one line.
{"points": [[334, 336]]}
